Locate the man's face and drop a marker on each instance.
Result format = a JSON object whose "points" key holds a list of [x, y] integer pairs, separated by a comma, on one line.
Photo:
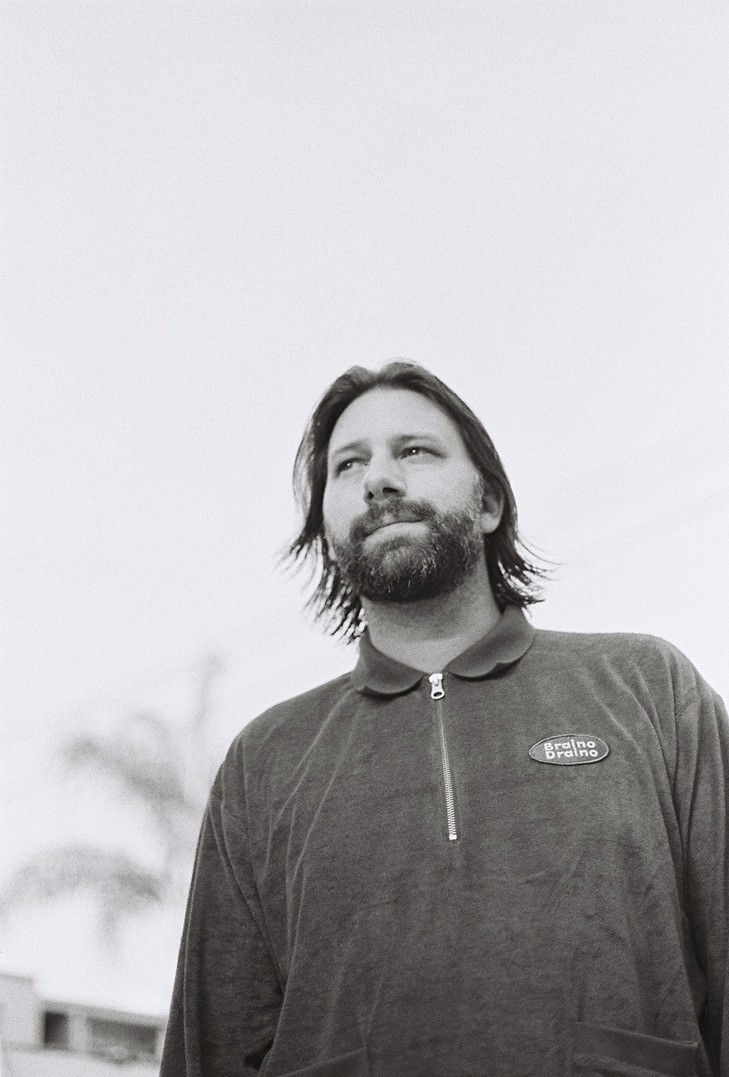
{"points": [[404, 511]]}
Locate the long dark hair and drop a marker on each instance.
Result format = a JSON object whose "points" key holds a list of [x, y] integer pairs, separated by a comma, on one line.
{"points": [[512, 575]]}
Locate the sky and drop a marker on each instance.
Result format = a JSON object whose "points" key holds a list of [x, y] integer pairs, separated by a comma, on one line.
{"points": [[210, 211]]}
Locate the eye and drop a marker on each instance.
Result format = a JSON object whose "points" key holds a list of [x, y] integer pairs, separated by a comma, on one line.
{"points": [[413, 450], [345, 465]]}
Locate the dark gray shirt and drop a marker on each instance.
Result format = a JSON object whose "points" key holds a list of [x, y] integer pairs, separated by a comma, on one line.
{"points": [[389, 884]]}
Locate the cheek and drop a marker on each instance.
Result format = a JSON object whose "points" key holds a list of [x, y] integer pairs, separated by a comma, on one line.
{"points": [[331, 508], [460, 492], [325, 500]]}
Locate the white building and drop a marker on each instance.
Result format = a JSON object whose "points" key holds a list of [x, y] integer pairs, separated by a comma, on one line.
{"points": [[41, 1037]]}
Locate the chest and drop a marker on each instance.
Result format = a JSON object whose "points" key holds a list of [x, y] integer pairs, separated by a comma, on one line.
{"points": [[441, 780]]}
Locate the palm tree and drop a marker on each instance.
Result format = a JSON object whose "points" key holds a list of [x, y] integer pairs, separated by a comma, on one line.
{"points": [[164, 770]]}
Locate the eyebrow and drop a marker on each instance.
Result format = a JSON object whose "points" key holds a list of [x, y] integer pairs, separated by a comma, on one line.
{"points": [[399, 439]]}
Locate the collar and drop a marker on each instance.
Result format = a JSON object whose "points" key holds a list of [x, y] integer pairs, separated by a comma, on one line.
{"points": [[507, 642]]}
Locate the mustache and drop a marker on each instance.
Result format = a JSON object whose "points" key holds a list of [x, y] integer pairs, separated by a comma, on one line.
{"points": [[390, 512]]}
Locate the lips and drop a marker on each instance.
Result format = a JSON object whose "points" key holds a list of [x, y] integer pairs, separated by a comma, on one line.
{"points": [[380, 515], [371, 528]]}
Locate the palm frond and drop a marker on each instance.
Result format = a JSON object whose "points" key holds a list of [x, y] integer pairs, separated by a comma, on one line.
{"points": [[144, 761], [117, 880], [163, 768]]}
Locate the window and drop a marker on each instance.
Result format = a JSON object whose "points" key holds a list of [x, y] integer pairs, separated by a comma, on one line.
{"points": [[55, 1029], [120, 1040]]}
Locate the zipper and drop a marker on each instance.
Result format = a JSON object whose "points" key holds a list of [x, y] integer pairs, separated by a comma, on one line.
{"points": [[437, 692]]}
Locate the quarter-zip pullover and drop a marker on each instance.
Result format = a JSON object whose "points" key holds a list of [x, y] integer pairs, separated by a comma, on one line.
{"points": [[514, 866]]}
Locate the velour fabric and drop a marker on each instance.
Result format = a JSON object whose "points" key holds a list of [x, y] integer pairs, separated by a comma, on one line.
{"points": [[575, 924]]}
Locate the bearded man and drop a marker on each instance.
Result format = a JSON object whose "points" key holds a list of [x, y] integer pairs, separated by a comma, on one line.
{"points": [[489, 851]]}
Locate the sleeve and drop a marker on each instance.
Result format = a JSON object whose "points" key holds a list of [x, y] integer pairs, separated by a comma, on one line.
{"points": [[227, 996], [702, 797]]}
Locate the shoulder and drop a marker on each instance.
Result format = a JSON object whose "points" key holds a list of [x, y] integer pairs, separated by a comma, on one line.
{"points": [[297, 714], [281, 734], [615, 645], [638, 660]]}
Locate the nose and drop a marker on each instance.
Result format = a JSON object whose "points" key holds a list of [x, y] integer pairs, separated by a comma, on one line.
{"points": [[383, 480]]}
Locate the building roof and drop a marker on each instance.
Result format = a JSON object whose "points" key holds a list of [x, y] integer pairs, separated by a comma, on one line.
{"points": [[83, 1009], [42, 1062]]}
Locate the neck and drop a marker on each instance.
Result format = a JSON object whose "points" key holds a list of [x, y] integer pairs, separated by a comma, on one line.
{"points": [[429, 633]]}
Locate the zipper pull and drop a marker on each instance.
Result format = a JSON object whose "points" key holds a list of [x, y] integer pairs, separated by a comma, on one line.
{"points": [[436, 691]]}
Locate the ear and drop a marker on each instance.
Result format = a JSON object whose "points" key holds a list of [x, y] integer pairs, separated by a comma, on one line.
{"points": [[492, 511]]}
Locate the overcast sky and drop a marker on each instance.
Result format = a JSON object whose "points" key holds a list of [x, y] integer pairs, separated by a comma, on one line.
{"points": [[209, 212]]}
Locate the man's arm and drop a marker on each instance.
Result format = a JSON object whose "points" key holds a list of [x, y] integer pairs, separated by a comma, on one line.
{"points": [[702, 800], [227, 996]]}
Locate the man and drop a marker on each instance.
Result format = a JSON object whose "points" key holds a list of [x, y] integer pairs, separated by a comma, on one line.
{"points": [[488, 850]]}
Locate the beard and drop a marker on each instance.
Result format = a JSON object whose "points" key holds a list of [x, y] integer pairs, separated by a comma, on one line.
{"points": [[407, 567]]}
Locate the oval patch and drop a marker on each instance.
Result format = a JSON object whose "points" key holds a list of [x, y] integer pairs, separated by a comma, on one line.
{"points": [[569, 749]]}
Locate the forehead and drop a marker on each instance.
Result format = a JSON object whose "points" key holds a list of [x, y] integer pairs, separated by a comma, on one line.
{"points": [[382, 414]]}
